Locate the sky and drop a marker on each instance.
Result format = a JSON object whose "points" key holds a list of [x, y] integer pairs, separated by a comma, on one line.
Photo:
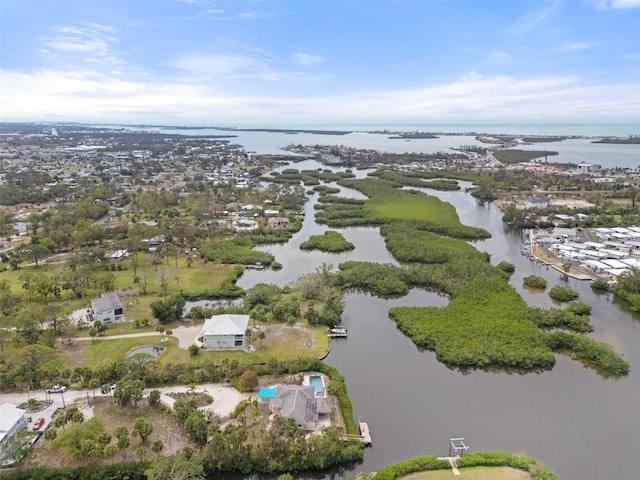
{"points": [[207, 62]]}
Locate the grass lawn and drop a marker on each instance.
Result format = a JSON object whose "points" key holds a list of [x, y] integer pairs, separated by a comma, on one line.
{"points": [[473, 473], [105, 351], [198, 279], [281, 341]]}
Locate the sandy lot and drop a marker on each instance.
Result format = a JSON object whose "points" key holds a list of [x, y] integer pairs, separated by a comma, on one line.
{"points": [[225, 397], [186, 335]]}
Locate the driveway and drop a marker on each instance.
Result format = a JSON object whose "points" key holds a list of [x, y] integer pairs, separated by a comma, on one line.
{"points": [[186, 335]]}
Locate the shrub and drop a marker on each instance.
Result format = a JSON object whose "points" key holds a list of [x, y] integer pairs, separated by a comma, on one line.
{"points": [[579, 308], [592, 352], [330, 241], [534, 281], [507, 267], [154, 398], [563, 294], [193, 350], [600, 284]]}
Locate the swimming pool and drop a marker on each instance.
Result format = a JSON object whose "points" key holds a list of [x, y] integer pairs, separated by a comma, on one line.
{"points": [[316, 382]]}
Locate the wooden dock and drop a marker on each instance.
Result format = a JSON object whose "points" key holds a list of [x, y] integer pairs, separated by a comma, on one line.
{"points": [[365, 434]]}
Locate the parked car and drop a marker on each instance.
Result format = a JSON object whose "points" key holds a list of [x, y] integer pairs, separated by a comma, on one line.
{"points": [[57, 388], [37, 425]]}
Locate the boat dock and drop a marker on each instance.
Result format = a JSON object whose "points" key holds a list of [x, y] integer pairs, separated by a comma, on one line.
{"points": [[365, 434], [338, 332]]}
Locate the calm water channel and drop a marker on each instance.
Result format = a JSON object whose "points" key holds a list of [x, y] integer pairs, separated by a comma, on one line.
{"points": [[583, 426]]}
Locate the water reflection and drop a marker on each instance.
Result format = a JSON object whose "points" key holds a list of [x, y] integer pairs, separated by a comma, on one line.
{"points": [[583, 426]]}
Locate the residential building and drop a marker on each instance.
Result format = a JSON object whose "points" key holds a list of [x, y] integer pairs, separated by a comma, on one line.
{"points": [[297, 403], [11, 420], [226, 331], [107, 308]]}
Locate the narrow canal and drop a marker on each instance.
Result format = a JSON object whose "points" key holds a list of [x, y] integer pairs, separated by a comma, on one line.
{"points": [[584, 426]]}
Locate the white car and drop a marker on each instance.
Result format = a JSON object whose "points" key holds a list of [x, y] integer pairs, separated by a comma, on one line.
{"points": [[57, 388]]}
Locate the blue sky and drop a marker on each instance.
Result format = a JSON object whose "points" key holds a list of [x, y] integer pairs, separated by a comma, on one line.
{"points": [[320, 62]]}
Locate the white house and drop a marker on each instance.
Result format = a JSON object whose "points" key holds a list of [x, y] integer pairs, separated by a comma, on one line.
{"points": [[224, 332], [11, 420], [107, 308]]}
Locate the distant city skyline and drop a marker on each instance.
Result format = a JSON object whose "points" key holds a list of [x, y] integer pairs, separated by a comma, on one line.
{"points": [[200, 62]]}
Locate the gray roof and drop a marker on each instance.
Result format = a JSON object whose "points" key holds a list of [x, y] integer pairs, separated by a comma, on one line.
{"points": [[296, 402], [227, 324], [108, 301]]}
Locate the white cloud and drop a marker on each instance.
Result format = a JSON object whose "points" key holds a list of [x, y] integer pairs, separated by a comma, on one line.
{"points": [[94, 96], [532, 18], [616, 4], [574, 47], [92, 39], [226, 66], [255, 15], [257, 64], [305, 59]]}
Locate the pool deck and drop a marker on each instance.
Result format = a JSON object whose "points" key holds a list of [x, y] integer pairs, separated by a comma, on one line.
{"points": [[306, 381]]}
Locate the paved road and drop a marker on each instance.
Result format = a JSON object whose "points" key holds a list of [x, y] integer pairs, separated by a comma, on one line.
{"points": [[112, 337]]}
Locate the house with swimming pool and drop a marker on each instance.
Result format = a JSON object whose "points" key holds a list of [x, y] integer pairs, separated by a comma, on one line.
{"points": [[307, 404]]}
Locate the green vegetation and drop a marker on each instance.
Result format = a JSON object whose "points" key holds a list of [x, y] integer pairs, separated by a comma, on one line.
{"points": [[443, 184], [330, 241], [419, 464], [169, 309], [506, 267], [292, 176], [522, 462], [236, 251], [431, 463], [563, 294], [388, 204], [600, 284], [129, 470], [588, 350], [576, 319], [627, 287], [486, 323], [534, 281]]}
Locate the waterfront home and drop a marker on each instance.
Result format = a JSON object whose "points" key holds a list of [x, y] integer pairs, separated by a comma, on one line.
{"points": [[226, 331], [298, 403]]}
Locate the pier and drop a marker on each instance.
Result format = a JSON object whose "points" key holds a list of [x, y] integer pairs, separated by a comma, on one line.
{"points": [[365, 434]]}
